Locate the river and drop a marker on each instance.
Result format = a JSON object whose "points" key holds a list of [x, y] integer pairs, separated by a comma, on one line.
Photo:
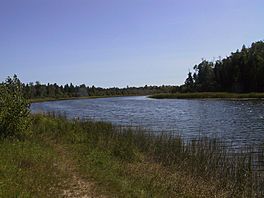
{"points": [[237, 121]]}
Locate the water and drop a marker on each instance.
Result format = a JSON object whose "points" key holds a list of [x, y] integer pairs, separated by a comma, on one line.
{"points": [[240, 122]]}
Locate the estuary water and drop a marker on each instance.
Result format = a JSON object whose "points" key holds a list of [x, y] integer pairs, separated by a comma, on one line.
{"points": [[237, 121]]}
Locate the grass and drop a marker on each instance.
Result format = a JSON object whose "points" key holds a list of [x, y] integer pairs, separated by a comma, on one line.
{"points": [[198, 95], [124, 162], [26, 169]]}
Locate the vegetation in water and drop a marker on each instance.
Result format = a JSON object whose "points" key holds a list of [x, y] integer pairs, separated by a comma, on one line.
{"points": [[200, 95]]}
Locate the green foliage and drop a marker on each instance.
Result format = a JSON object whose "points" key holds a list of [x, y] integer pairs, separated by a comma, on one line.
{"points": [[14, 111], [242, 71], [38, 91], [124, 148], [27, 170]]}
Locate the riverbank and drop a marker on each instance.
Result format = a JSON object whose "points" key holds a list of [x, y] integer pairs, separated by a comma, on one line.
{"points": [[201, 95], [73, 158]]}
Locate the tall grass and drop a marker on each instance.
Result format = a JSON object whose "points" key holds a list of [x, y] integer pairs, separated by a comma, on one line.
{"points": [[198, 95], [27, 169], [139, 163]]}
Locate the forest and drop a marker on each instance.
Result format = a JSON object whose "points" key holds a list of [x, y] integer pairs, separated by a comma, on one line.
{"points": [[38, 90], [241, 72]]}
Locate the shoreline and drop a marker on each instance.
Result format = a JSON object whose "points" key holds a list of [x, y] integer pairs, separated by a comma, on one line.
{"points": [[210, 95], [37, 100]]}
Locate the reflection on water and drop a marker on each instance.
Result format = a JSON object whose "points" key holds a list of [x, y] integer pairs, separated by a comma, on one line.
{"points": [[239, 121]]}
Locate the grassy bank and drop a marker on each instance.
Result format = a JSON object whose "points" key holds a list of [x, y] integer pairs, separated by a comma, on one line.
{"points": [[200, 95], [26, 170], [121, 162]]}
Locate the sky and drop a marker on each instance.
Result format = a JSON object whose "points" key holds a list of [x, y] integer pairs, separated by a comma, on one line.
{"points": [[121, 43]]}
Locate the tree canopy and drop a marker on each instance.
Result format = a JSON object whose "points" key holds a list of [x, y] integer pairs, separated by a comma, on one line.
{"points": [[242, 71], [14, 109], [38, 90]]}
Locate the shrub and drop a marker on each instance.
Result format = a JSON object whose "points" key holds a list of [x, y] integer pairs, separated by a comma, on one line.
{"points": [[14, 110]]}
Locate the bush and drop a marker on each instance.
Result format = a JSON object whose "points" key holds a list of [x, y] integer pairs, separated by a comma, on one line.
{"points": [[14, 110]]}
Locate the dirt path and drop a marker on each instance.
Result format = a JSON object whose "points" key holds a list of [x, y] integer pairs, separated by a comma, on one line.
{"points": [[74, 185]]}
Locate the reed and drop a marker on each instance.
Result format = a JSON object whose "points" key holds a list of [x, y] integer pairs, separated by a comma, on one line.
{"points": [[200, 95], [126, 162], [201, 167]]}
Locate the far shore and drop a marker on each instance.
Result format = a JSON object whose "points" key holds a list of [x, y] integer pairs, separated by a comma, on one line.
{"points": [[36, 100], [208, 95], [191, 95]]}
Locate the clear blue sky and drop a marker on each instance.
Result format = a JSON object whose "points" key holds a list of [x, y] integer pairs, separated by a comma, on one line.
{"points": [[121, 42]]}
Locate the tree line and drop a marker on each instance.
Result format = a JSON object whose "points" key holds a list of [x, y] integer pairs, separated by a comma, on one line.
{"points": [[38, 90], [242, 71]]}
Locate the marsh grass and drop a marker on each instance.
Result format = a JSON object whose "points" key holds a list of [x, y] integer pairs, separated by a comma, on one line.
{"points": [[137, 163], [200, 95]]}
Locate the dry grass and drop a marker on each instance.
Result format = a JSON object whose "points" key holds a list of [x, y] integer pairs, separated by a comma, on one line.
{"points": [[200, 95]]}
